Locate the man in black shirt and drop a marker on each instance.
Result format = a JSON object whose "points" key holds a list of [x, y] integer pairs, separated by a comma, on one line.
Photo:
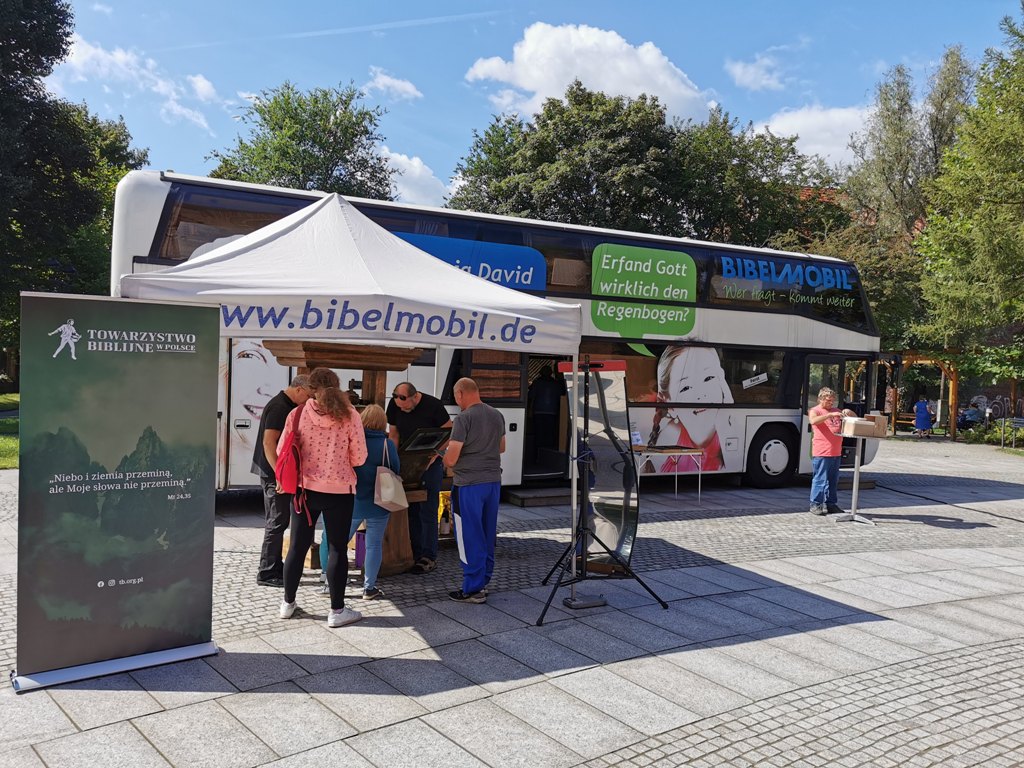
{"points": [[277, 506], [408, 411]]}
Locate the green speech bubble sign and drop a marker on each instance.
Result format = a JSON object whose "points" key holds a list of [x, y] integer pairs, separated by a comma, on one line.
{"points": [[639, 274]]}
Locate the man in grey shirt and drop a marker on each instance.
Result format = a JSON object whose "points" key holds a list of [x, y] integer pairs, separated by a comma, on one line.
{"points": [[474, 453]]}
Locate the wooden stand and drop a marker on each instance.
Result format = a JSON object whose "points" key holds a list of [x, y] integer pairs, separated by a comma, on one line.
{"points": [[397, 555]]}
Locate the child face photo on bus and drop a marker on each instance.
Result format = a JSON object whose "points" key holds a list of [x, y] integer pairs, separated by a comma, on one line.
{"points": [[253, 375], [692, 377]]}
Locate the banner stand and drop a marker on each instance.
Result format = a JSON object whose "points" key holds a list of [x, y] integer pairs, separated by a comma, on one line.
{"points": [[24, 683]]}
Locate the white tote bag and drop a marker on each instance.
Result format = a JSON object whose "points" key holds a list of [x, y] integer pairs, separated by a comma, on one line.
{"points": [[388, 491]]}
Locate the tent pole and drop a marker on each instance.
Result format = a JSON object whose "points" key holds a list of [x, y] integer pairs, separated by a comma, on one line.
{"points": [[574, 463]]}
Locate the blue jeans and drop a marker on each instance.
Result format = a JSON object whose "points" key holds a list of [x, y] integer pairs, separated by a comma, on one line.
{"points": [[423, 515], [374, 547], [825, 480]]}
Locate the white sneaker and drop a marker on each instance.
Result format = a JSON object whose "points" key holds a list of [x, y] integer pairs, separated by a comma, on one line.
{"points": [[287, 609], [341, 618]]}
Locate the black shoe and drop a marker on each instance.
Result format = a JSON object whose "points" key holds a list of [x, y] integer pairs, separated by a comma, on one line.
{"points": [[461, 597], [817, 509], [423, 565], [835, 509], [272, 581]]}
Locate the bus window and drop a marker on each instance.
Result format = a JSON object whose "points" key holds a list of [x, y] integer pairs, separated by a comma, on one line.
{"points": [[499, 374]]}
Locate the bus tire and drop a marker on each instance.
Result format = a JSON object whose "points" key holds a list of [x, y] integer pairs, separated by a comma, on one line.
{"points": [[772, 458]]}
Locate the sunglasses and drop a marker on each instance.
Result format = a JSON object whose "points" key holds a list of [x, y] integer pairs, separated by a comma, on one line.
{"points": [[397, 396]]}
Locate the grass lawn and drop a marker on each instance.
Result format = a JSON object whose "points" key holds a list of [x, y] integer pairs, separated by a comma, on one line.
{"points": [[9, 402], [8, 443]]}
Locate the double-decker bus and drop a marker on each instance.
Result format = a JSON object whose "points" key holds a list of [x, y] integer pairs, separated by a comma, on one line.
{"points": [[725, 346]]}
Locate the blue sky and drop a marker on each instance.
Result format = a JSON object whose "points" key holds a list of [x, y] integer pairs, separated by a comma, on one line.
{"points": [[180, 73]]}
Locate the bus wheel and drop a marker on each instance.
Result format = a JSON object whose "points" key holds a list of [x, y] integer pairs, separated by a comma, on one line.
{"points": [[771, 460]]}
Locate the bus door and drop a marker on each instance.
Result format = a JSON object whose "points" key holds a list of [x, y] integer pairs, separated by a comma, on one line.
{"points": [[853, 379], [546, 443]]}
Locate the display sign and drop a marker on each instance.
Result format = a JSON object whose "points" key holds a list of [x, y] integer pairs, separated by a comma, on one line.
{"points": [[116, 480]]}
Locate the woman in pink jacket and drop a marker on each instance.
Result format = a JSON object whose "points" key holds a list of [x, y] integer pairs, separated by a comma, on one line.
{"points": [[331, 442]]}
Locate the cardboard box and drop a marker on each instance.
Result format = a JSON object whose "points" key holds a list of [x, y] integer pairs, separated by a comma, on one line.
{"points": [[869, 426]]}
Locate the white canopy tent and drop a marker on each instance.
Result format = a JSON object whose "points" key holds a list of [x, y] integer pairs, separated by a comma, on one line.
{"points": [[328, 273]]}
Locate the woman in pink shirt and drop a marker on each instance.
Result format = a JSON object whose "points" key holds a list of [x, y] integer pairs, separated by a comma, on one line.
{"points": [[826, 452], [331, 442]]}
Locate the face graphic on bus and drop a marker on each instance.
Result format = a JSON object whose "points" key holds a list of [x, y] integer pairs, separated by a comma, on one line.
{"points": [[694, 375], [252, 380]]}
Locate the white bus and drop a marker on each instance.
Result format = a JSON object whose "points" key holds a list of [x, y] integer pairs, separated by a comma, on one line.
{"points": [[725, 346]]}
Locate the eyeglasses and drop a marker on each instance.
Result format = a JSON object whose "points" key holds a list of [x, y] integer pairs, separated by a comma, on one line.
{"points": [[397, 396]]}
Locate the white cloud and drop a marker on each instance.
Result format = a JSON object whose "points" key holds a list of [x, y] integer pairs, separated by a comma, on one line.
{"points": [[101, 8], [417, 185], [392, 86], [549, 58], [823, 131], [762, 74], [132, 74], [202, 88]]}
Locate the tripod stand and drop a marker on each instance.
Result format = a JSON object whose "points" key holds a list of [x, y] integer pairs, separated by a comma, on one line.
{"points": [[582, 534]]}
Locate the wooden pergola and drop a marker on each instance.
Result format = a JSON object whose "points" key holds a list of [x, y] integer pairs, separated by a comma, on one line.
{"points": [[949, 369]]}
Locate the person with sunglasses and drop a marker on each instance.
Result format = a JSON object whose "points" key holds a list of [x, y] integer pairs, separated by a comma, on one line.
{"points": [[408, 411]]}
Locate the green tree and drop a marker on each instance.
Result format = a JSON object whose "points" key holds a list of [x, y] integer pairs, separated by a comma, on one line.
{"points": [[886, 190], [612, 161], [973, 246], [55, 164], [749, 187], [321, 139]]}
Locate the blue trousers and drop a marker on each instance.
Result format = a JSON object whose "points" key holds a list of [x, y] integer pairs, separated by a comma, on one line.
{"points": [[825, 480], [375, 527], [475, 514], [423, 515]]}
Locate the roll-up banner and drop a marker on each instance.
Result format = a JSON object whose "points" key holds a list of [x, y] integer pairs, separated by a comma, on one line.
{"points": [[118, 420]]}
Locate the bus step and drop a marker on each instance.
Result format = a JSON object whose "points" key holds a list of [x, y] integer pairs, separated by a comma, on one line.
{"points": [[537, 497]]}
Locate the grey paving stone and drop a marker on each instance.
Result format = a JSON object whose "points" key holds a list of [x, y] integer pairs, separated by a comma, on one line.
{"points": [[893, 630], [315, 648], [525, 608], [362, 699], [499, 739], [589, 641], [430, 626], [830, 567], [378, 638], [782, 572], [187, 682], [942, 582], [802, 602], [852, 638], [487, 667], [589, 589], [537, 652], [771, 613], [627, 627], [286, 718], [733, 619], [619, 597], [908, 586], [629, 703], [29, 718], [681, 621], [113, 746], [689, 585], [21, 758], [568, 720], [254, 663], [727, 671], [481, 618], [859, 589], [929, 621], [838, 658], [336, 754], [970, 557], [428, 681], [412, 744], [104, 700], [688, 689], [774, 660], [731, 580], [203, 734], [962, 613], [853, 599]]}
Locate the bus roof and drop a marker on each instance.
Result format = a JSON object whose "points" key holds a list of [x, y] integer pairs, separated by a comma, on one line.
{"points": [[514, 220]]}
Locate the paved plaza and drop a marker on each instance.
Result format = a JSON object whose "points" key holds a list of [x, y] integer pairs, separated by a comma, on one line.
{"points": [[790, 640]]}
